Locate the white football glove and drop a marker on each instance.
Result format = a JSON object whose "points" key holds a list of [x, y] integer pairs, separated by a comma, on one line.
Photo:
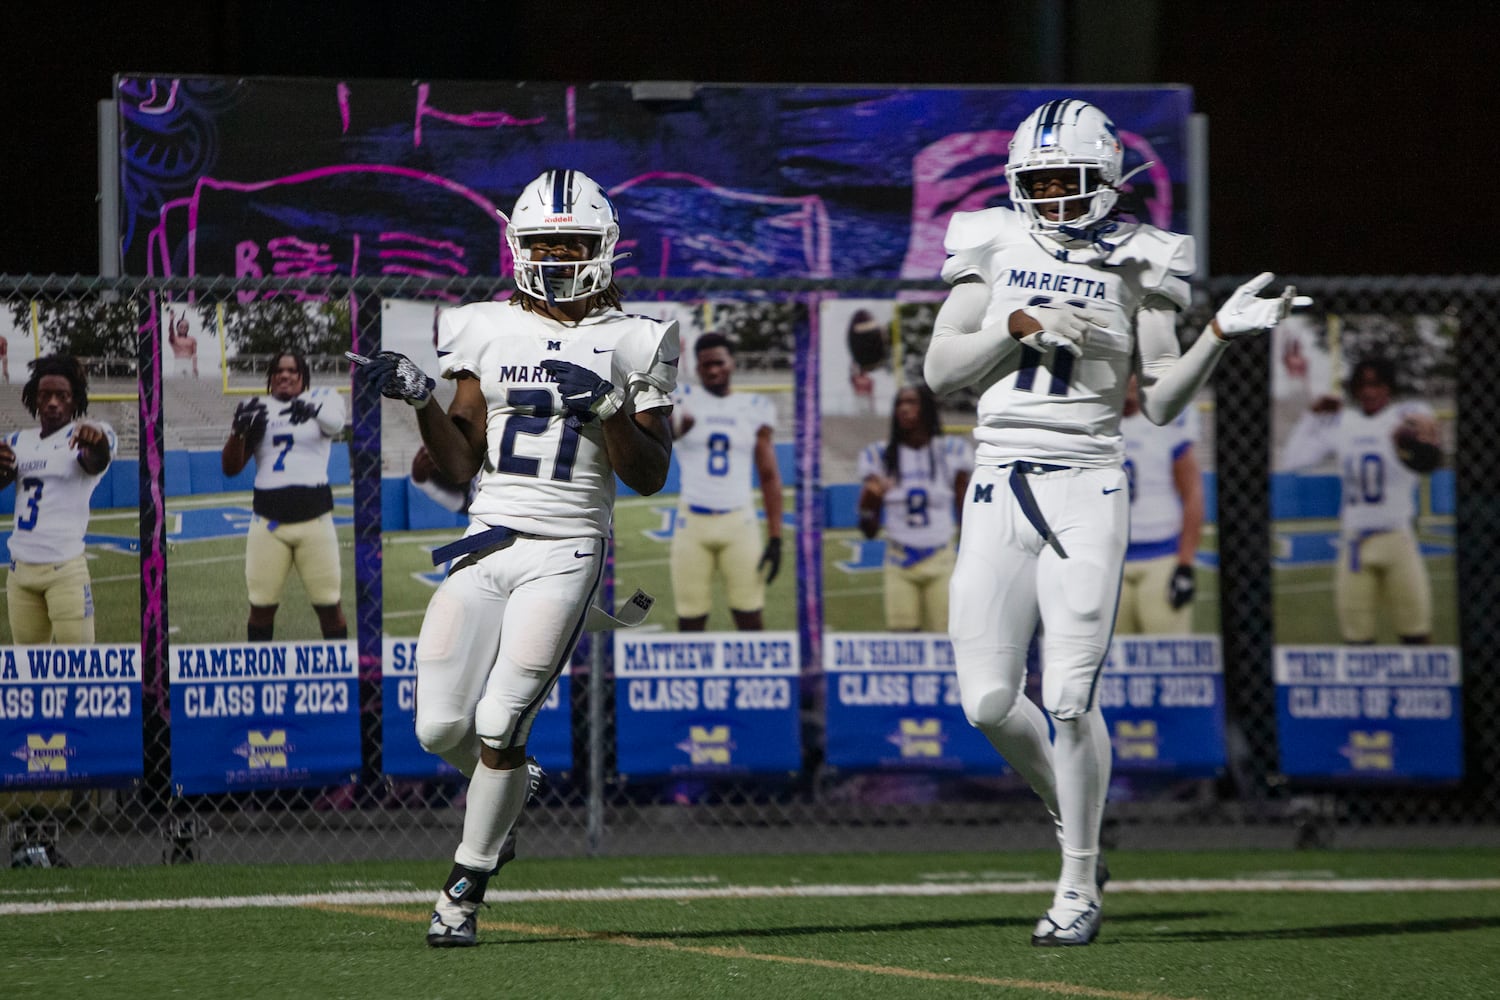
{"points": [[1064, 327], [1245, 313]]}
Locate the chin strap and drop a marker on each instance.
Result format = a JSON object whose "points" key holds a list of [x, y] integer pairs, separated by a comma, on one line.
{"points": [[1093, 236]]}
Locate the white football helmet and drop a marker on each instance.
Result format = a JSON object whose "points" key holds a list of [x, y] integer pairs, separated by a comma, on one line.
{"points": [[566, 202], [1066, 135]]}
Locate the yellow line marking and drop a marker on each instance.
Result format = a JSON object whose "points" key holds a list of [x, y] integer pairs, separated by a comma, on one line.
{"points": [[578, 934]]}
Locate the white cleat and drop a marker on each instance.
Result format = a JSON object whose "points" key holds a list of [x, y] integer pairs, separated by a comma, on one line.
{"points": [[1072, 922]]}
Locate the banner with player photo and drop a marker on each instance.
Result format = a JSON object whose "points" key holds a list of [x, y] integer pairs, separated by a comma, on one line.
{"points": [[707, 704], [70, 715], [551, 740], [263, 715], [1368, 671]]}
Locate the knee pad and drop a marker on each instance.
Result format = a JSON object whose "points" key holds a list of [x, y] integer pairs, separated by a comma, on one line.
{"points": [[438, 736], [991, 707], [494, 722]]}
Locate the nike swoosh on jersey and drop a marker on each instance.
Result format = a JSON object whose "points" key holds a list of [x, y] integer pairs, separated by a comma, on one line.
{"points": [[1115, 490], [604, 350], [582, 555]]}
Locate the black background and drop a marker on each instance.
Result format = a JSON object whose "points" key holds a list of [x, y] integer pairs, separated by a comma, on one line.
{"points": [[1344, 138]]}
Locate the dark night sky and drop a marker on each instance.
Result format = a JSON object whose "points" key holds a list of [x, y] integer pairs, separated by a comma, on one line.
{"points": [[1344, 138]]}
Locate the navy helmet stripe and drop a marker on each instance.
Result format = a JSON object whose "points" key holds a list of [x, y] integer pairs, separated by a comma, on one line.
{"points": [[1052, 111]]}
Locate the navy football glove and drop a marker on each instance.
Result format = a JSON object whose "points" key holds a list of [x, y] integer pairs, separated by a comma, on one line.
{"points": [[1182, 588], [396, 376], [771, 558], [585, 392], [250, 419], [301, 411]]}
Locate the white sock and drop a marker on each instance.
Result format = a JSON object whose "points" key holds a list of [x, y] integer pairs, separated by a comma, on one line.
{"points": [[1082, 761], [495, 799], [1022, 739]]}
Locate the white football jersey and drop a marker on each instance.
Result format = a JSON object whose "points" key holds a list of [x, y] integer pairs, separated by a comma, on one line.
{"points": [[52, 494], [718, 451], [919, 508], [1052, 406], [297, 454], [1150, 453], [1380, 493], [540, 475]]}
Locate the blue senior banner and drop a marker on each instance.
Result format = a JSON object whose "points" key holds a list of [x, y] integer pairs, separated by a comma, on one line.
{"points": [[1374, 713], [1163, 699], [551, 740], [263, 715], [70, 715], [707, 703], [893, 704]]}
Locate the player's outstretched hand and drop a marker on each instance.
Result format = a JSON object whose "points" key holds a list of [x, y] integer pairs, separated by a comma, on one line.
{"points": [[7, 462], [770, 559], [250, 419], [395, 375], [301, 411], [585, 392], [1246, 313], [1064, 327], [1182, 588]]}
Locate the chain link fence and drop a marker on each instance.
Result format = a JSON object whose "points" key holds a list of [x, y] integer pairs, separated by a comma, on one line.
{"points": [[169, 359]]}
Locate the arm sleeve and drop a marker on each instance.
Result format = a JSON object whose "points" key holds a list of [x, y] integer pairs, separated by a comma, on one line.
{"points": [[1169, 377], [962, 348], [871, 462]]}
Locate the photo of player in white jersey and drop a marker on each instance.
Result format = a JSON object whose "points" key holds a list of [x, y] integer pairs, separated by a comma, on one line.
{"points": [[721, 436], [1166, 521], [556, 392], [1054, 304], [289, 435], [56, 467], [1384, 448], [912, 487]]}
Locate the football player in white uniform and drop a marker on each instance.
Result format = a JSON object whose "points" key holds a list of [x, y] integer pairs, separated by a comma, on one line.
{"points": [[289, 435], [1053, 305], [1166, 521], [1383, 449], [56, 467], [914, 484], [557, 392], [719, 433]]}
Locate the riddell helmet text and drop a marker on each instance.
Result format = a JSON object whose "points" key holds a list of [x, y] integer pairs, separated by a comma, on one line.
{"points": [[558, 218]]}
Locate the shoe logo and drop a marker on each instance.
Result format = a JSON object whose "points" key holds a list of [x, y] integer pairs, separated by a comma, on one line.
{"points": [[604, 350], [1115, 490], [582, 555]]}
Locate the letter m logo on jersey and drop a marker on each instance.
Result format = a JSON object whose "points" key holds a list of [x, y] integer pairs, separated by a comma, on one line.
{"points": [[984, 492]]}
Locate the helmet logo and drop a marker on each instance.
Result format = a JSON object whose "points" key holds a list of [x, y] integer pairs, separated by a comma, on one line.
{"points": [[557, 218]]}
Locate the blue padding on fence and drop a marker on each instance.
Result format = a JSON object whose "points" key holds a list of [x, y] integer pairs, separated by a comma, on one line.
{"points": [[1444, 494], [179, 480], [1210, 498], [126, 488], [1297, 496], [424, 512], [392, 503], [841, 505]]}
